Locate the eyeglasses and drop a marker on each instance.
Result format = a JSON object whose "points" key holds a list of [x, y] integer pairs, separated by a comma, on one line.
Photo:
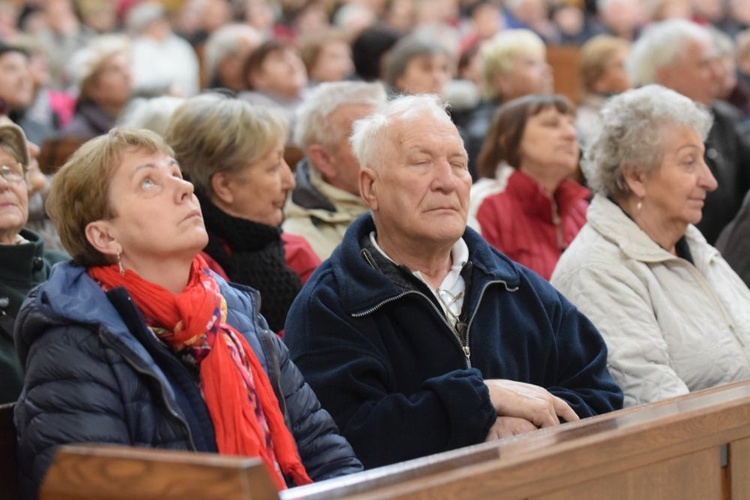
{"points": [[13, 173]]}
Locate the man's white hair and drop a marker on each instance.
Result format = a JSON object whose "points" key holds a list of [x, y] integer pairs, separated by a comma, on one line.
{"points": [[369, 132], [661, 44], [313, 125]]}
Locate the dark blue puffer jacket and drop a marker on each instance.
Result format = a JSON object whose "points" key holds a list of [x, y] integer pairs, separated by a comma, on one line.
{"points": [[94, 373]]}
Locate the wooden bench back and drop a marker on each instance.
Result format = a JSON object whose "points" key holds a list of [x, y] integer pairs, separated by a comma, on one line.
{"points": [[123, 473], [564, 63], [8, 463], [54, 153], [695, 446]]}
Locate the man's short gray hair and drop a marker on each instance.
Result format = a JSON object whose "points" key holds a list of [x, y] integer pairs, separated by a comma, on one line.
{"points": [[407, 49], [661, 44], [369, 132], [630, 134], [313, 125]]}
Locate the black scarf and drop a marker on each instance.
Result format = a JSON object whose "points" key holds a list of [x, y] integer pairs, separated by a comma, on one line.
{"points": [[257, 259]]}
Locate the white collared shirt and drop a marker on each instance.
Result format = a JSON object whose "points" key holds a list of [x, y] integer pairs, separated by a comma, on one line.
{"points": [[452, 289]]}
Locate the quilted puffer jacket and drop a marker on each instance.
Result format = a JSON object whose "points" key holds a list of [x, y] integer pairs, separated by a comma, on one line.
{"points": [[96, 374], [671, 326]]}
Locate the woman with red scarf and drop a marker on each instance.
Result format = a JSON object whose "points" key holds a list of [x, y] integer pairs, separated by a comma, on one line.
{"points": [[137, 342]]}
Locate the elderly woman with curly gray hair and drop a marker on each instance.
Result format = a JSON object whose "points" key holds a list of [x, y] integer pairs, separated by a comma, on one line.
{"points": [[674, 315]]}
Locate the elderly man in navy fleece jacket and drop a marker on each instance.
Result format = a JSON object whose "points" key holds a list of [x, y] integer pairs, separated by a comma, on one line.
{"points": [[416, 335]]}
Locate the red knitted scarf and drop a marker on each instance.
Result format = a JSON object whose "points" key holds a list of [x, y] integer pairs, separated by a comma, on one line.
{"points": [[236, 389]]}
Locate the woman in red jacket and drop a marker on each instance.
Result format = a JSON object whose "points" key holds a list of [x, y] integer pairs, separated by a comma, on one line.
{"points": [[525, 203]]}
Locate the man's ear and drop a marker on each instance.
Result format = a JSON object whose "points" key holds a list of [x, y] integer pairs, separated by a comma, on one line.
{"points": [[100, 235], [321, 160], [368, 187], [222, 188]]}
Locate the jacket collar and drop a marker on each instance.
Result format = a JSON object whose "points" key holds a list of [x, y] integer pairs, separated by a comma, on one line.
{"points": [[71, 296], [611, 222], [313, 193], [366, 286], [22, 261], [535, 201]]}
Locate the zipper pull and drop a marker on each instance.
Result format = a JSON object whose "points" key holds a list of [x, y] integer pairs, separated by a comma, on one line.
{"points": [[467, 352]]}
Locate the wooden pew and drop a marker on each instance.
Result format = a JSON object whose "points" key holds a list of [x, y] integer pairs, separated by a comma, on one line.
{"points": [[8, 464], [564, 62], [119, 472], [292, 156], [693, 447], [55, 152]]}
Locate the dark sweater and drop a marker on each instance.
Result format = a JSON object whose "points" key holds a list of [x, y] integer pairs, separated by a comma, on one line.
{"points": [[252, 254], [22, 267]]}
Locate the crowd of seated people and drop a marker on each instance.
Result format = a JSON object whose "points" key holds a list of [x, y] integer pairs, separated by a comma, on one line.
{"points": [[437, 258]]}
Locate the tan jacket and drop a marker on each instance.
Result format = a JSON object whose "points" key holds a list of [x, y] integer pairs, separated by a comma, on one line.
{"points": [[323, 227]]}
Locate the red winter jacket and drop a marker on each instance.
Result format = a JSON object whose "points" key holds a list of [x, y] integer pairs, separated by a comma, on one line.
{"points": [[528, 225]]}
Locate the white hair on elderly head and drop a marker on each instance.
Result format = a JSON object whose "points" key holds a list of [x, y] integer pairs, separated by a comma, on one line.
{"points": [[141, 15], [87, 61], [497, 55], [312, 124], [223, 42], [369, 132], [659, 45], [630, 134], [152, 114], [350, 15]]}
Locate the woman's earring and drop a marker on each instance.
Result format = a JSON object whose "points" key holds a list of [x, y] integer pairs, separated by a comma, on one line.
{"points": [[639, 206], [119, 264]]}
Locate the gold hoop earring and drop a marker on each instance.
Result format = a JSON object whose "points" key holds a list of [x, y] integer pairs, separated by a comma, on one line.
{"points": [[119, 264]]}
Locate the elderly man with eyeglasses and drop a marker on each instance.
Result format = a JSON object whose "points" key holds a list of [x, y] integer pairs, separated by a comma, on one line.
{"points": [[24, 263]]}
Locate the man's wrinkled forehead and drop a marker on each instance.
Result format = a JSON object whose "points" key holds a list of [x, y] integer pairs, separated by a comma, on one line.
{"points": [[425, 132]]}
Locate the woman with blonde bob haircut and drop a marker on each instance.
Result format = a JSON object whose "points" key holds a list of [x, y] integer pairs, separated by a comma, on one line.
{"points": [[674, 315], [234, 154], [513, 64], [137, 342]]}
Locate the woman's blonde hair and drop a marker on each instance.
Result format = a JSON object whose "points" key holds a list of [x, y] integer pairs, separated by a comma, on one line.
{"points": [[497, 55], [212, 133], [594, 57], [80, 189]]}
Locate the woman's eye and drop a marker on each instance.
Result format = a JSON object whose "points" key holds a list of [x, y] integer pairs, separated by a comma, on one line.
{"points": [[147, 183], [689, 163]]}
